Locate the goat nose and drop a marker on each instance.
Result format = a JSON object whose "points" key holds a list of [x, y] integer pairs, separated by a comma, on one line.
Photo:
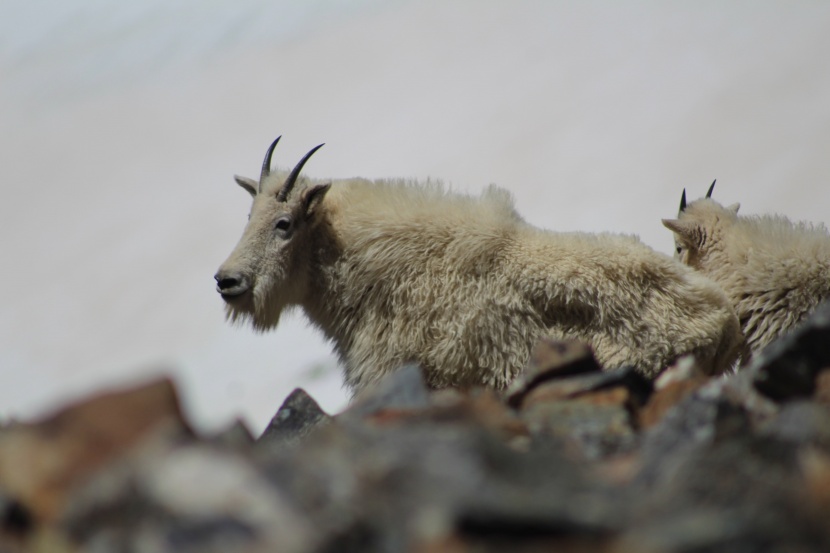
{"points": [[230, 283]]}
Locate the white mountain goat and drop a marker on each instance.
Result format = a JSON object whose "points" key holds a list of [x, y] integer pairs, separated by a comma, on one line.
{"points": [[774, 271], [395, 271]]}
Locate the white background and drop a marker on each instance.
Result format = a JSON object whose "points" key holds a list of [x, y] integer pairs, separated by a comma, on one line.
{"points": [[121, 125]]}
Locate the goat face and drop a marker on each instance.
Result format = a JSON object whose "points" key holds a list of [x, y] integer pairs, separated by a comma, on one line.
{"points": [[698, 228], [265, 272]]}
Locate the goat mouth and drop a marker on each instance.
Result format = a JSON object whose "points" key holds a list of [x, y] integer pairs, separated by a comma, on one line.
{"points": [[233, 293]]}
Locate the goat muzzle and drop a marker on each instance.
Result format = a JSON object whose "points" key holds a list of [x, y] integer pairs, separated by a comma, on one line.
{"points": [[231, 284]]}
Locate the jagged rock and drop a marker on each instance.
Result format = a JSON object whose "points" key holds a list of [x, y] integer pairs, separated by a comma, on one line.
{"points": [[570, 387], [599, 427], [740, 390], [695, 423], [744, 493], [236, 435], [551, 359], [596, 410], [184, 497], [814, 465], [822, 393], [801, 422], [16, 525], [723, 411], [402, 389], [369, 486], [298, 416], [561, 358], [711, 529], [684, 369], [673, 385], [41, 462], [788, 367], [430, 475], [704, 407], [573, 458], [480, 405], [486, 408]]}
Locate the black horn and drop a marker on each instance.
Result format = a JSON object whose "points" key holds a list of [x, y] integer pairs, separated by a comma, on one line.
{"points": [[266, 164], [683, 201], [282, 195], [709, 193]]}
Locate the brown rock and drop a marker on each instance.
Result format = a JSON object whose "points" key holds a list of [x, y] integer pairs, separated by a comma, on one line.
{"points": [[493, 414], [787, 368], [590, 387], [822, 393], [481, 407], [552, 359], [185, 497], [562, 358], [815, 466], [558, 391], [671, 387], [599, 422], [665, 399], [40, 462]]}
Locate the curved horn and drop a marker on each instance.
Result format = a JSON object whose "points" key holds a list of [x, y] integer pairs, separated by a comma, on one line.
{"points": [[266, 164], [709, 193], [683, 202], [295, 172]]}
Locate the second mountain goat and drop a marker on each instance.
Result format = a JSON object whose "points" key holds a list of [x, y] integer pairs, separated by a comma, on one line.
{"points": [[774, 271]]}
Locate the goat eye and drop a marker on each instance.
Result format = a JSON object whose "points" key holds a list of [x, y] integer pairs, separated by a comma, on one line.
{"points": [[283, 224]]}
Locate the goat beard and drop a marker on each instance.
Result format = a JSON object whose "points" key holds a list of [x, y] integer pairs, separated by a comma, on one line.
{"points": [[263, 308]]}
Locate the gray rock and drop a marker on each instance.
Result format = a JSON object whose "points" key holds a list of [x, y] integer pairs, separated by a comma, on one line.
{"points": [[389, 484], [803, 423], [190, 497], [402, 389], [743, 493], [15, 519], [574, 458], [597, 430], [705, 529], [696, 423], [787, 368], [236, 435], [298, 416]]}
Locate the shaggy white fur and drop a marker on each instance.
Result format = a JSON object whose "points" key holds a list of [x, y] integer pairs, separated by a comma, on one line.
{"points": [[397, 271], [773, 270]]}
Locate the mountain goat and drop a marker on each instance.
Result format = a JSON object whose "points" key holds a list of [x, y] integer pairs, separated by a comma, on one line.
{"points": [[396, 271], [774, 271]]}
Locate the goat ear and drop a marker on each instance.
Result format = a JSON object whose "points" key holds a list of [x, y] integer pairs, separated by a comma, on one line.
{"points": [[687, 231], [734, 208], [312, 197], [248, 184]]}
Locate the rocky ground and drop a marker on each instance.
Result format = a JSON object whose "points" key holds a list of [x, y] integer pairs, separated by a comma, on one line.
{"points": [[572, 458]]}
